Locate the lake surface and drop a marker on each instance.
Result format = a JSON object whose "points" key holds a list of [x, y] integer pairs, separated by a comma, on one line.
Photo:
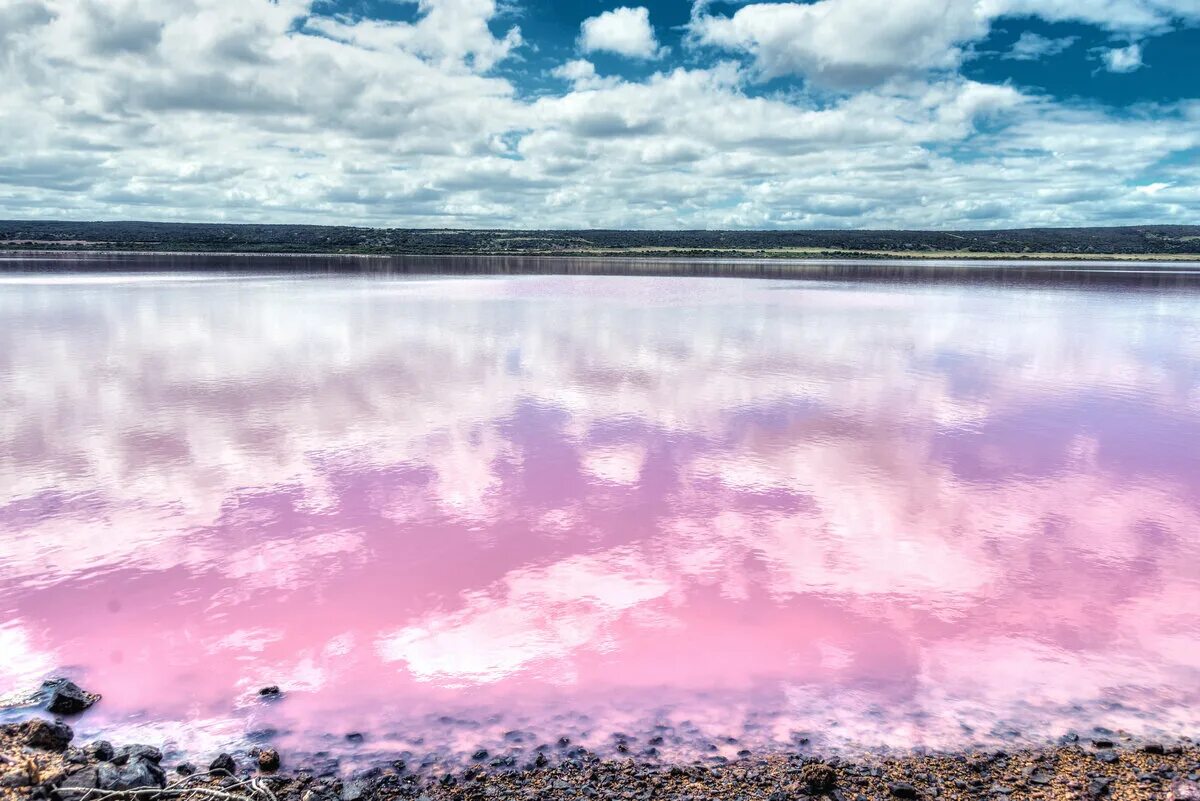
{"points": [[697, 515]]}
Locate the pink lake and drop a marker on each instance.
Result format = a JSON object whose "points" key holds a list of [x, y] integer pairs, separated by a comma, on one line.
{"points": [[453, 513]]}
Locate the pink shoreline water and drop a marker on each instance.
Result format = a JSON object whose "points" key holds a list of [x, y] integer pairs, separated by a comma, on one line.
{"points": [[870, 515]]}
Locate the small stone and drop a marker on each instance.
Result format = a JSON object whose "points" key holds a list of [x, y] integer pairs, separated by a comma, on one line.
{"points": [[479, 755], [268, 760], [223, 764], [818, 778], [68, 698], [902, 790], [1102, 742], [1154, 748], [1108, 757], [354, 737], [1185, 791], [270, 691], [102, 750], [185, 769], [1098, 787]]}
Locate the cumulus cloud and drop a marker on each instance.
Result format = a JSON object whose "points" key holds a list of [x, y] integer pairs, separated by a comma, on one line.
{"points": [[1032, 46], [1123, 59], [222, 109], [845, 43], [624, 31]]}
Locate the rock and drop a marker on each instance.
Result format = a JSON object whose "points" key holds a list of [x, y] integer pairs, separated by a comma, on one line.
{"points": [[268, 760], [479, 755], [223, 764], [129, 753], [1185, 791], [86, 779], [1039, 777], [354, 737], [902, 790], [137, 773], [47, 736], [1154, 748], [1102, 742], [68, 698], [1098, 787], [270, 691], [818, 778], [16, 778], [1108, 757], [102, 750], [185, 769]]}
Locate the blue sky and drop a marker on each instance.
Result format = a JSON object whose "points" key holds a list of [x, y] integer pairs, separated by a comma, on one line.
{"points": [[533, 113]]}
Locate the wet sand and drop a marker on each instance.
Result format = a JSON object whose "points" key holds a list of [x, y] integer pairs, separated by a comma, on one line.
{"points": [[40, 759]]}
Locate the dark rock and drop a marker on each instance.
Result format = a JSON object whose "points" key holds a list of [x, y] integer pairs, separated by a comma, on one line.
{"points": [[563, 742], [136, 774], [479, 755], [47, 736], [354, 737], [1108, 757], [102, 750], [68, 698], [76, 756], [1153, 748], [818, 778], [86, 779], [16, 778], [271, 691], [268, 760], [1102, 742], [902, 790], [223, 763], [185, 769], [1098, 787], [134, 752]]}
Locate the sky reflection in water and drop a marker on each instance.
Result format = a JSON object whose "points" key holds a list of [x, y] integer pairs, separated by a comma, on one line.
{"points": [[868, 514]]}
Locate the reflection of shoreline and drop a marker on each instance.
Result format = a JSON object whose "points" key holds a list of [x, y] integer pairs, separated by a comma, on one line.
{"points": [[1080, 270]]}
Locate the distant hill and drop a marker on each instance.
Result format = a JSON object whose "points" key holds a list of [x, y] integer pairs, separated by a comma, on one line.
{"points": [[1133, 241]]}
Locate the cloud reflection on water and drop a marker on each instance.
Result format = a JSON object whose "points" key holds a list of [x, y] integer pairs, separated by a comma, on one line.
{"points": [[968, 505]]}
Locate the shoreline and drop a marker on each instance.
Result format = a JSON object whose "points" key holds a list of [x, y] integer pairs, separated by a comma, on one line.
{"points": [[665, 255], [40, 759]]}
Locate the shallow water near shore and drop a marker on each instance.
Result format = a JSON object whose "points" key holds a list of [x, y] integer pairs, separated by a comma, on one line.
{"points": [[693, 515]]}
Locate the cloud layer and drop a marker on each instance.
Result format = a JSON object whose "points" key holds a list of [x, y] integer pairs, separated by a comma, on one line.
{"points": [[257, 111]]}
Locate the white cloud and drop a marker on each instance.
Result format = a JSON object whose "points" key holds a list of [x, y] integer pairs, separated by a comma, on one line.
{"points": [[624, 31], [222, 109], [1032, 47], [1123, 59], [846, 43]]}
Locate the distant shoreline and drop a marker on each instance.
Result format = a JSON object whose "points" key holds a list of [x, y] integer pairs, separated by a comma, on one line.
{"points": [[635, 254]]}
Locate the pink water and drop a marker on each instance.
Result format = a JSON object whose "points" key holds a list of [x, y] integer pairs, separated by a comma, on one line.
{"points": [[433, 511]]}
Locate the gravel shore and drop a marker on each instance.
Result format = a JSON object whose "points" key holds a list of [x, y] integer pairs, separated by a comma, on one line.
{"points": [[38, 759]]}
